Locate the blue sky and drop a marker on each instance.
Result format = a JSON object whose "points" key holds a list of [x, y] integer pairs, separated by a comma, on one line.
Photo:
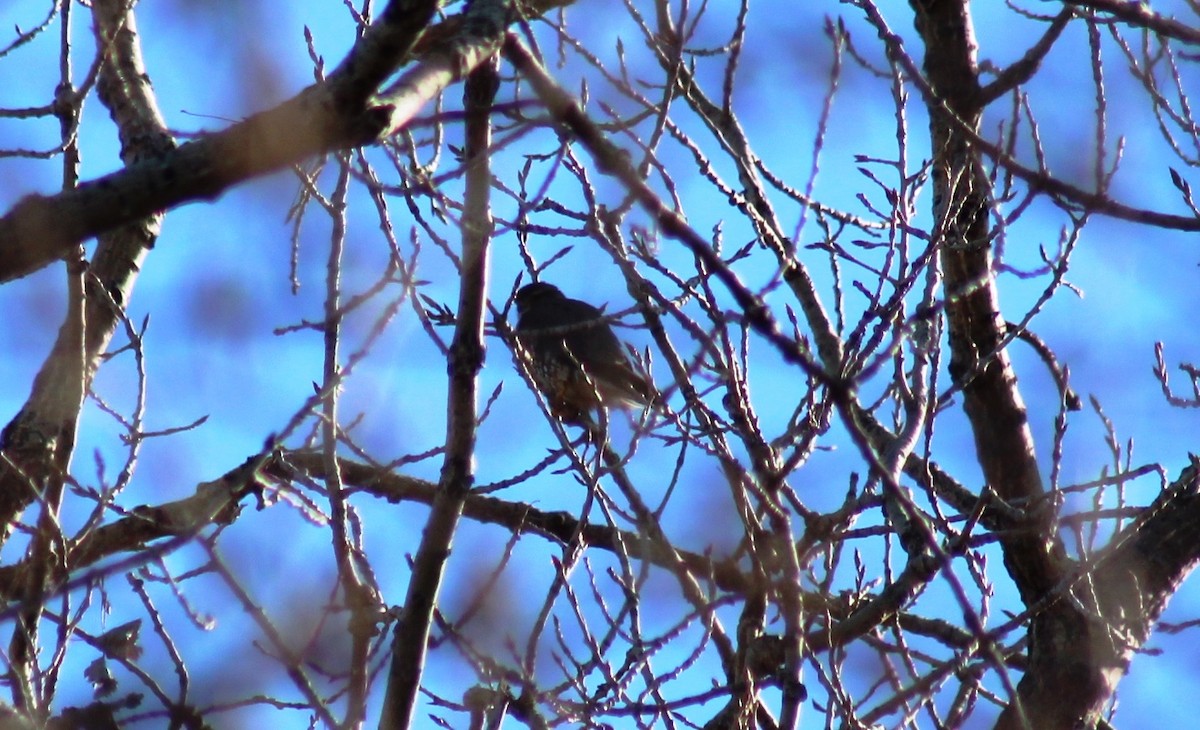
{"points": [[216, 286]]}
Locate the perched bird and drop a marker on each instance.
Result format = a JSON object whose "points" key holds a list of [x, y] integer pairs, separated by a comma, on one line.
{"points": [[575, 359]]}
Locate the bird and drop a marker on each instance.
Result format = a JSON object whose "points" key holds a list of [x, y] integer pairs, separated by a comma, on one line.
{"points": [[575, 360]]}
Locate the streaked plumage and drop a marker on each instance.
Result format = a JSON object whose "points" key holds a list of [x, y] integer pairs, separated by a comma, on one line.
{"points": [[577, 362]]}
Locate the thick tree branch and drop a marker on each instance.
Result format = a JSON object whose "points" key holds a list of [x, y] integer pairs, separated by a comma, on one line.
{"points": [[961, 200], [466, 359], [32, 441], [1066, 195], [854, 617], [346, 110], [335, 114], [1140, 15], [1076, 666], [214, 503]]}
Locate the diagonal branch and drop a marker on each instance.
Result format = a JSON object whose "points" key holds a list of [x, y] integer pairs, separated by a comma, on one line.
{"points": [[217, 502], [1024, 69], [346, 110], [1064, 194], [613, 161], [1112, 608], [33, 441], [1140, 15], [334, 114]]}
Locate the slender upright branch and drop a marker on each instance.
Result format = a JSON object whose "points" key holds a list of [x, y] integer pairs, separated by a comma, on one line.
{"points": [[466, 358]]}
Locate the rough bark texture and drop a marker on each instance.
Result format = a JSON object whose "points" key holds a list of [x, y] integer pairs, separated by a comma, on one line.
{"points": [[1088, 607], [1086, 619]]}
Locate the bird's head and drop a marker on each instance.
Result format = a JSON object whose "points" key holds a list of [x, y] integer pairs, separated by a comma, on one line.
{"points": [[536, 294]]}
